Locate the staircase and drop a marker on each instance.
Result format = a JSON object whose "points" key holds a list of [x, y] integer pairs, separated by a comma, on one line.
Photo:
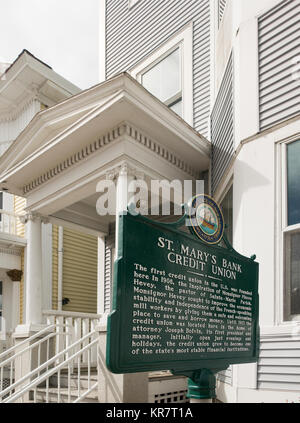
{"points": [[60, 363], [63, 392]]}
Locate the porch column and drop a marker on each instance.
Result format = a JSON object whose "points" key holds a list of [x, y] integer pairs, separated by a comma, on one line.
{"points": [[124, 178], [34, 273]]}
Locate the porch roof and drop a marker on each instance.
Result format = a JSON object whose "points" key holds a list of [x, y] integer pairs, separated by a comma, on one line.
{"points": [[55, 133]]}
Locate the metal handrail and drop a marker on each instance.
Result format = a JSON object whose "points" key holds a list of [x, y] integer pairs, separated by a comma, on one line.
{"points": [[27, 340], [51, 372]]}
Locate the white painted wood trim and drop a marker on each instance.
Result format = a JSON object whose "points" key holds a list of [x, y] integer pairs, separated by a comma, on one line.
{"points": [[282, 228], [60, 267], [47, 265]]}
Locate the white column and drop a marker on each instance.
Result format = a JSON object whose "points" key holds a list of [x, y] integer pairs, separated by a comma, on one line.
{"points": [[34, 272], [60, 267], [122, 196]]}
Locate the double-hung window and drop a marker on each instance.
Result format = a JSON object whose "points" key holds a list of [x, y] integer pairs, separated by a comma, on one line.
{"points": [[291, 228], [164, 80], [167, 73]]}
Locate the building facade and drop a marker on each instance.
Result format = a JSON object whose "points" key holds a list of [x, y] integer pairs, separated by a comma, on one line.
{"points": [[29, 86], [188, 90], [234, 66]]}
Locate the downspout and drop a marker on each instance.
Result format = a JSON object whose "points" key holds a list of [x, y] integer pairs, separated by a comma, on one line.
{"points": [[60, 267]]}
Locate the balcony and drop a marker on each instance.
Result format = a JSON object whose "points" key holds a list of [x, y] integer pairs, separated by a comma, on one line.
{"points": [[12, 230]]}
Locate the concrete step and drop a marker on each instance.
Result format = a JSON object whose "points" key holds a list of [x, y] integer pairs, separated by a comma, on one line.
{"points": [[83, 381], [41, 395]]}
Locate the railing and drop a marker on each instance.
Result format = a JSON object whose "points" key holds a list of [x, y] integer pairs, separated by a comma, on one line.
{"points": [[11, 224], [63, 330], [22, 354], [60, 378], [76, 325]]}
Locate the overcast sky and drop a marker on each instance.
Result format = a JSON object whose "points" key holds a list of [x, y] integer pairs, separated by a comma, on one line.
{"points": [[62, 33]]}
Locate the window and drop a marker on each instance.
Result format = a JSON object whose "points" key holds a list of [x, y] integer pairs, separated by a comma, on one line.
{"points": [[291, 229], [167, 73], [164, 81]]}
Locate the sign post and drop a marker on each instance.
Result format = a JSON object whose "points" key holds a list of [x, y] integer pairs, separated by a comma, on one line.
{"points": [[181, 304]]}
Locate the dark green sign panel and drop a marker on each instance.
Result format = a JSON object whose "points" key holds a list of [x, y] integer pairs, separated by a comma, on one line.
{"points": [[178, 303]]}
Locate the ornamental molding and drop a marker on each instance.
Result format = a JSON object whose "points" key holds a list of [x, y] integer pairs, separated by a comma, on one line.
{"points": [[11, 251], [124, 169], [103, 141], [33, 217]]}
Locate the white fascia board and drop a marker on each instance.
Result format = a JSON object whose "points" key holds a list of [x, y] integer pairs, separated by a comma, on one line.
{"points": [[51, 75], [130, 92], [66, 88], [143, 99]]}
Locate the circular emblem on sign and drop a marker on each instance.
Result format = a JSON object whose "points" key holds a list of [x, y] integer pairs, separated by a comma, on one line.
{"points": [[206, 219]]}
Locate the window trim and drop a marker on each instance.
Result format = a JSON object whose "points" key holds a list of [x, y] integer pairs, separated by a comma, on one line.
{"points": [[184, 40], [179, 95], [283, 229]]}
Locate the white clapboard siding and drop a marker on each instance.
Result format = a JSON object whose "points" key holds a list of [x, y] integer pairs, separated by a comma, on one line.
{"points": [[222, 127], [279, 364], [221, 9], [279, 48], [132, 34]]}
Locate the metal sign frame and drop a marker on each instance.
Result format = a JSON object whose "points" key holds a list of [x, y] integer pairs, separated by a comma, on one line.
{"points": [[137, 235]]}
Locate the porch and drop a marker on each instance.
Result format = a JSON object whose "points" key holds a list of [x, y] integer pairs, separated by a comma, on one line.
{"points": [[115, 131]]}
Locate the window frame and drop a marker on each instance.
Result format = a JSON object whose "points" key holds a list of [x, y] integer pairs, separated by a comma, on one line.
{"points": [[183, 40], [179, 95], [284, 230]]}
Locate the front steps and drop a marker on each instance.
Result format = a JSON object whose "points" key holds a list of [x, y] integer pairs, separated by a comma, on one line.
{"points": [[74, 382]]}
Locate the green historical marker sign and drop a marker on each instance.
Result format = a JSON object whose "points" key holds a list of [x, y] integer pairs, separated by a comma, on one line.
{"points": [[179, 304]]}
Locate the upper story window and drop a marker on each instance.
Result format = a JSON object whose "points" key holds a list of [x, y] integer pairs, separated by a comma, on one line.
{"points": [[167, 73], [291, 228], [164, 81], [293, 182]]}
